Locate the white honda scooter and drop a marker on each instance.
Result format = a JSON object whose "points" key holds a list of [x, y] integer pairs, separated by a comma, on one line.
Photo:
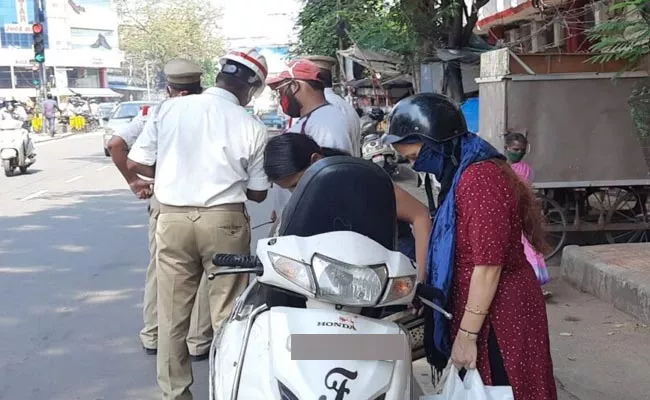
{"points": [[336, 276], [16, 147]]}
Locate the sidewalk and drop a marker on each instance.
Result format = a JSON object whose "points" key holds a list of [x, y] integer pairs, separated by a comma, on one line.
{"points": [[599, 353], [40, 137]]}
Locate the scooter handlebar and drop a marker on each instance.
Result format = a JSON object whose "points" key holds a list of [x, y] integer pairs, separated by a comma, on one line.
{"points": [[428, 292], [236, 260]]}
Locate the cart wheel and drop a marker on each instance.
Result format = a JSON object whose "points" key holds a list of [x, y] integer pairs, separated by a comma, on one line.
{"points": [[627, 207], [556, 224]]}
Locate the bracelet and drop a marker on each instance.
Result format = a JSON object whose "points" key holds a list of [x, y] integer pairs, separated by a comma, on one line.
{"points": [[475, 311], [468, 334]]}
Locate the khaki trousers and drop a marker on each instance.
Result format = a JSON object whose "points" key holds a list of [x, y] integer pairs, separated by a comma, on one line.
{"points": [[187, 239], [199, 337]]}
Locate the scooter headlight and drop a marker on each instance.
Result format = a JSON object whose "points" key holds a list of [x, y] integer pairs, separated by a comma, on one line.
{"points": [[349, 285], [295, 271]]}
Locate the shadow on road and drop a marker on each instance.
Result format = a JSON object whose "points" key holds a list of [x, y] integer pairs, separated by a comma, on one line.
{"points": [[71, 281]]}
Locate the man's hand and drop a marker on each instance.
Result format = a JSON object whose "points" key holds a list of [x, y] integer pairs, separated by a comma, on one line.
{"points": [[141, 188]]}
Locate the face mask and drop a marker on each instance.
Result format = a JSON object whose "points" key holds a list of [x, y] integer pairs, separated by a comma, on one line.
{"points": [[429, 160], [515, 156], [290, 105]]}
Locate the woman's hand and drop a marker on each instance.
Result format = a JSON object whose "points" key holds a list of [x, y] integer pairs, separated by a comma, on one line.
{"points": [[463, 352]]}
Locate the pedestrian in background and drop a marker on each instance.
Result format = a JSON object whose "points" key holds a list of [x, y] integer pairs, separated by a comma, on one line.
{"points": [[206, 153], [302, 95], [516, 147], [49, 108], [183, 78], [326, 64]]}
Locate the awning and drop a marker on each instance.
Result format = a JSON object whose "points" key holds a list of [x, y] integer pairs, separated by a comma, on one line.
{"points": [[385, 63], [18, 94], [95, 92], [61, 92], [129, 88]]}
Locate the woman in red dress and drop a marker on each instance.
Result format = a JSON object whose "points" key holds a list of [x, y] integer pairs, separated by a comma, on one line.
{"points": [[476, 257]]}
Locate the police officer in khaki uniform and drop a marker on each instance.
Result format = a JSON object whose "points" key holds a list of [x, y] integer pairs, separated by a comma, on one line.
{"points": [[183, 78], [207, 154]]}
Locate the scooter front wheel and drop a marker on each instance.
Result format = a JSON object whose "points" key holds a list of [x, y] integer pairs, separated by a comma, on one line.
{"points": [[9, 169]]}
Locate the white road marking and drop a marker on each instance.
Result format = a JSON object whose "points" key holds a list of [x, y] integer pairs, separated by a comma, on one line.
{"points": [[33, 195], [76, 178], [102, 168]]}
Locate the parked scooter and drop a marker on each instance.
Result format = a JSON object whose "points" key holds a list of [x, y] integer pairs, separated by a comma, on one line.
{"points": [[16, 147], [330, 273], [384, 155], [370, 122]]}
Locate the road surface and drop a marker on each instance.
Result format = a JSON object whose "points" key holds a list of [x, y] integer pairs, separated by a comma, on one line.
{"points": [[73, 254]]}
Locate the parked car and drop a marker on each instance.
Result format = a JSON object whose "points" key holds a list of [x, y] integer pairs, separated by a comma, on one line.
{"points": [[274, 121], [121, 115]]}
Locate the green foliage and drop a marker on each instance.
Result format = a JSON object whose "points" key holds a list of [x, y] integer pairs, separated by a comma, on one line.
{"points": [[156, 31], [626, 36], [370, 23]]}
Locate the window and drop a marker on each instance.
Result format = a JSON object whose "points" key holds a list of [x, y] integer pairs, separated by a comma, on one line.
{"points": [[25, 77], [5, 77]]}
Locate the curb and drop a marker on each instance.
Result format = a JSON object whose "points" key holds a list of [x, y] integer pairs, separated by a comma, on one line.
{"points": [[624, 283], [39, 138]]}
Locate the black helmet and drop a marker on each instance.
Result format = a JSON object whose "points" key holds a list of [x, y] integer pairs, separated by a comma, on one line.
{"points": [[377, 114], [426, 115]]}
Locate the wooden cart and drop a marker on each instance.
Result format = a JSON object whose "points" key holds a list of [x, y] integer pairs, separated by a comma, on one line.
{"points": [[591, 174]]}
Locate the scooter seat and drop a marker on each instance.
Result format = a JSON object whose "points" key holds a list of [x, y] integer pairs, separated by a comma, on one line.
{"points": [[342, 193]]}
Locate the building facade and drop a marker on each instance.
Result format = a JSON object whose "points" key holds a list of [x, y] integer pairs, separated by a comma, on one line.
{"points": [[81, 44], [533, 26]]}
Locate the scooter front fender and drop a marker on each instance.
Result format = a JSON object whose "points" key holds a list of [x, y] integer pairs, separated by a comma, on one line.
{"points": [[268, 372], [8, 153]]}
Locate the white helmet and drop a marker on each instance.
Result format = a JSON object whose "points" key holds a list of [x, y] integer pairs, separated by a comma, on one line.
{"points": [[251, 59]]}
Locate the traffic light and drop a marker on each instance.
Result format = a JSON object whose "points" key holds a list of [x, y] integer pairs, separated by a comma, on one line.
{"points": [[39, 43]]}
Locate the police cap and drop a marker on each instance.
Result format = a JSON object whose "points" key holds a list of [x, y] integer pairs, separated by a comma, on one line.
{"points": [[181, 72]]}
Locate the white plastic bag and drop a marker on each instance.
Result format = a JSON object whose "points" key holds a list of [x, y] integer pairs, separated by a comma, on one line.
{"points": [[472, 388]]}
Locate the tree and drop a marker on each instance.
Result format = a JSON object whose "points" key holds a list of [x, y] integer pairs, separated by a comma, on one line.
{"points": [[626, 36], [325, 26], [156, 31], [446, 24], [412, 28]]}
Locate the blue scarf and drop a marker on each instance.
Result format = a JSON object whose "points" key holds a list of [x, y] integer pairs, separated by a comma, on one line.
{"points": [[442, 242]]}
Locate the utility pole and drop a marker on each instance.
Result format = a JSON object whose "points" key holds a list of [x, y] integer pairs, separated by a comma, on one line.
{"points": [[40, 18], [146, 72]]}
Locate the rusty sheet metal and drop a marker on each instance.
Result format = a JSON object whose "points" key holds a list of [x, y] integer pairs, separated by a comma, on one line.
{"points": [[579, 130]]}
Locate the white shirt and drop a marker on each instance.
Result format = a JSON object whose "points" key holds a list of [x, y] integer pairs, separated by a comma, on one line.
{"points": [[207, 150], [351, 117], [329, 128], [131, 131]]}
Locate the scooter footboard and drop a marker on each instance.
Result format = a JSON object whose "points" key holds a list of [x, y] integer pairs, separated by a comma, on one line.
{"points": [[269, 371]]}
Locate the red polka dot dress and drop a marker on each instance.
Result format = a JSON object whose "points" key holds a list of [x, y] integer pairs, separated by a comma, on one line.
{"points": [[488, 232]]}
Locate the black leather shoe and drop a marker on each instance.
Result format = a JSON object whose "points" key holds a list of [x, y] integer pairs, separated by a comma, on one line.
{"points": [[200, 357], [150, 352]]}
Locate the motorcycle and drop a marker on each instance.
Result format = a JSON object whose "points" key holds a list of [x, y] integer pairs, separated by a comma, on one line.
{"points": [[317, 284], [16, 147], [384, 155]]}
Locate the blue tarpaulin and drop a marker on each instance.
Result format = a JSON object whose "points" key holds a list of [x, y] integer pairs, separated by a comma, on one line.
{"points": [[470, 111]]}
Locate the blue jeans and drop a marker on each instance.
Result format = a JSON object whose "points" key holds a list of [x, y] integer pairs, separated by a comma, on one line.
{"points": [[51, 123]]}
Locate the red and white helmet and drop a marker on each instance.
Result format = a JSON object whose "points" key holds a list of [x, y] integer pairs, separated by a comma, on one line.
{"points": [[251, 59]]}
